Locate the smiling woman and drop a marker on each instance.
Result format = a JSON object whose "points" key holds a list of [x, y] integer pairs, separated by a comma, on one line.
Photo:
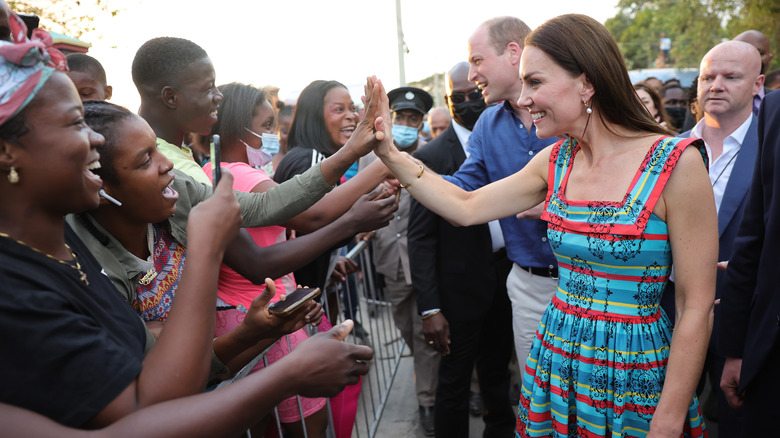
{"points": [[325, 118], [617, 193]]}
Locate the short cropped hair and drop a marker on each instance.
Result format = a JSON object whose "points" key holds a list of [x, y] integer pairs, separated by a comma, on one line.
{"points": [[671, 86], [504, 30], [772, 79], [161, 60], [86, 64]]}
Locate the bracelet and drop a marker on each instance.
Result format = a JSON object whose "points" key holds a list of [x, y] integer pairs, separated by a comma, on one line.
{"points": [[422, 170], [431, 314]]}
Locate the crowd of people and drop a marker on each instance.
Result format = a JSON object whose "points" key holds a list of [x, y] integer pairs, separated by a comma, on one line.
{"points": [[613, 238]]}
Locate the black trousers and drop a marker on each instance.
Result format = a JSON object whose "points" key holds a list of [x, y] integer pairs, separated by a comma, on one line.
{"points": [[488, 343]]}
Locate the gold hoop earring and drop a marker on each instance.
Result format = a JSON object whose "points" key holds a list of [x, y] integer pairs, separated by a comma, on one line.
{"points": [[13, 176]]}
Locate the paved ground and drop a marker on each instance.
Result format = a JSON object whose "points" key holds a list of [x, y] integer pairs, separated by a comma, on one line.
{"points": [[401, 418]]}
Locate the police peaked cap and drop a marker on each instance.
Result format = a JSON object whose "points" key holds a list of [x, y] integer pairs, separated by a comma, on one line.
{"points": [[410, 98]]}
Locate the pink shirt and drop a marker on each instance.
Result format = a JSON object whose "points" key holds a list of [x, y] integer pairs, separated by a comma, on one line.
{"points": [[233, 288]]}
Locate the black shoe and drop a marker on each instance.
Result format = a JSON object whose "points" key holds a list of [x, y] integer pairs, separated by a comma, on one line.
{"points": [[476, 408], [426, 420]]}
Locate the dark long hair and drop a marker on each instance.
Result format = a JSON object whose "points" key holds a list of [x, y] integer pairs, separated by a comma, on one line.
{"points": [[308, 125], [656, 98], [580, 44], [236, 110]]}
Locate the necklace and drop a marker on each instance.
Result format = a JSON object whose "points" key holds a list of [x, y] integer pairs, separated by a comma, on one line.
{"points": [[724, 169], [76, 265]]}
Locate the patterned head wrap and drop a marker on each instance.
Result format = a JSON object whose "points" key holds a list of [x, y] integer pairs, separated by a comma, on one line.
{"points": [[25, 65]]}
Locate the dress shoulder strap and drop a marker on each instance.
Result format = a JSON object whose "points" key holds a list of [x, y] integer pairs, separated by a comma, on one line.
{"points": [[560, 162], [654, 173]]}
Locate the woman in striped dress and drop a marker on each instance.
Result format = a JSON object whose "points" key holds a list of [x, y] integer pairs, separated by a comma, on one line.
{"points": [[622, 199]]}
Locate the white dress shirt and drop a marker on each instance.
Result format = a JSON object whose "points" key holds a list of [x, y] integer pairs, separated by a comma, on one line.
{"points": [[720, 169]]}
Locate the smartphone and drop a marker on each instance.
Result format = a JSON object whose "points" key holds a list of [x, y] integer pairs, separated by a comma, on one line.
{"points": [[31, 21], [294, 300], [216, 171]]}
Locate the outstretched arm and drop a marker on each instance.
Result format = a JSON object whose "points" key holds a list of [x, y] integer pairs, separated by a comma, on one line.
{"points": [[261, 328], [321, 366], [337, 201], [693, 234], [509, 196], [189, 330], [256, 263], [506, 197]]}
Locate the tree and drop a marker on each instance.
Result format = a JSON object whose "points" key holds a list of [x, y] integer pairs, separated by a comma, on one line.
{"points": [[761, 15], [694, 26], [69, 17], [434, 85]]}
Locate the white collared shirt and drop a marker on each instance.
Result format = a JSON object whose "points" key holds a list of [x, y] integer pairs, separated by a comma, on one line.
{"points": [[720, 169], [496, 235]]}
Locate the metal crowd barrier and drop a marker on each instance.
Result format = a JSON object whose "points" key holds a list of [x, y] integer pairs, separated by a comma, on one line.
{"points": [[373, 313]]}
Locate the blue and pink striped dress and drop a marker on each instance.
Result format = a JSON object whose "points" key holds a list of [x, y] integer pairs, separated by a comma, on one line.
{"points": [[597, 365]]}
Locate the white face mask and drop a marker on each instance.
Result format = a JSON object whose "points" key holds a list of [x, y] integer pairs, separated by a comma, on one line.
{"points": [[264, 155]]}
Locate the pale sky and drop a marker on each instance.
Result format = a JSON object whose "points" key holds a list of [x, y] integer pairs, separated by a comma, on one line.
{"points": [[289, 43]]}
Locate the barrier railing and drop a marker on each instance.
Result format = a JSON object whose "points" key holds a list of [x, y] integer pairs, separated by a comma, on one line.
{"points": [[365, 304]]}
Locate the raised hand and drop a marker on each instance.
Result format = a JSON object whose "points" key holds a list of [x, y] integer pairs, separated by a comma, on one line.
{"points": [[327, 364], [371, 129]]}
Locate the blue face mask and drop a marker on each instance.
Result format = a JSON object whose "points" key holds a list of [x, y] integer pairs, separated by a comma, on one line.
{"points": [[261, 157], [404, 136]]}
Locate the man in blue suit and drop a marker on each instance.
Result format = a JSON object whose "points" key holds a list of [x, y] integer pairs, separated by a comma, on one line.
{"points": [[730, 75], [750, 304]]}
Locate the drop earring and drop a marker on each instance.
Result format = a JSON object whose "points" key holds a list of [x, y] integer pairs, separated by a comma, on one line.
{"points": [[13, 176], [588, 109]]}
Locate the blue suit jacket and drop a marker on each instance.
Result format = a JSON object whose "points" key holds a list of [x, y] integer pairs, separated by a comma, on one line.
{"points": [[731, 209], [750, 301], [734, 198]]}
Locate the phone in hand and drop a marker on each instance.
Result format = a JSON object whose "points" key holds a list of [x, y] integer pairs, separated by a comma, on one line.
{"points": [[216, 171], [294, 300]]}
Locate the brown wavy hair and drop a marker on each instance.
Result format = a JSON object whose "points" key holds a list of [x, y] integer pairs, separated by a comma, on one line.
{"points": [[656, 98], [580, 44]]}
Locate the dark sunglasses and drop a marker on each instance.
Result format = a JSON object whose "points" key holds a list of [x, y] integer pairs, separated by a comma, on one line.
{"points": [[457, 97]]}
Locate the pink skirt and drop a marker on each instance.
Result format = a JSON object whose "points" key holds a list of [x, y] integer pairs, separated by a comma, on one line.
{"points": [[229, 319]]}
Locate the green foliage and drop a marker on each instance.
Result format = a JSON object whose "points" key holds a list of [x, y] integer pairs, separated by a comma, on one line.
{"points": [[72, 18], [434, 85], [694, 26]]}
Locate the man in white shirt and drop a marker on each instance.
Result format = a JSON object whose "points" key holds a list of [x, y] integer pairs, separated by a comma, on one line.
{"points": [[730, 75]]}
